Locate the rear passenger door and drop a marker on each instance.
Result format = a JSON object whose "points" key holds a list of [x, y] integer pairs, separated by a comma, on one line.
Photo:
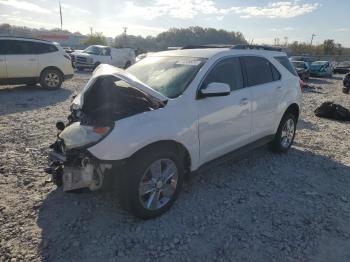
{"points": [[264, 82], [21, 59]]}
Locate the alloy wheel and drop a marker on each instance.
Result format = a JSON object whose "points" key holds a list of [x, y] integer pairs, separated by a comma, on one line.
{"points": [[158, 184], [52, 80], [287, 134]]}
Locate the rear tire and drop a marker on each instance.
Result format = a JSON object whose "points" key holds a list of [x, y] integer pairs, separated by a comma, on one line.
{"points": [[346, 90], [285, 134], [51, 79], [145, 195]]}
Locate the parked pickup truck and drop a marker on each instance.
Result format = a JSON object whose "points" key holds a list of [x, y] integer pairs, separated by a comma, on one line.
{"points": [[95, 55]]}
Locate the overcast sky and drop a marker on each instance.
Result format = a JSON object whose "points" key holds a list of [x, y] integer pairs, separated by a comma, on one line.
{"points": [[260, 20]]}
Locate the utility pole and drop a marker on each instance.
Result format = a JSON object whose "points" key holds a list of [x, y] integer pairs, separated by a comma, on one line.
{"points": [[91, 31], [59, 2], [125, 29], [312, 38]]}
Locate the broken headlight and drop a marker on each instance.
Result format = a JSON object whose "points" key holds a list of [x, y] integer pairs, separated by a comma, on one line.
{"points": [[77, 135]]}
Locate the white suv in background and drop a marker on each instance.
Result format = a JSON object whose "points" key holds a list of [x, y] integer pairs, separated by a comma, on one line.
{"points": [[31, 61], [171, 113]]}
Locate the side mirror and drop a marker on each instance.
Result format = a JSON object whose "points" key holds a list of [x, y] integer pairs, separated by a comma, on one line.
{"points": [[215, 89]]}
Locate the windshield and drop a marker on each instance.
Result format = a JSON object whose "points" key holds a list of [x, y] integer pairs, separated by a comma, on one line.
{"points": [[93, 50], [169, 76], [298, 64]]}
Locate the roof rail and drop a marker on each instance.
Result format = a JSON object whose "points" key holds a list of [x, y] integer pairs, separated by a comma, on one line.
{"points": [[205, 46], [258, 47], [25, 37]]}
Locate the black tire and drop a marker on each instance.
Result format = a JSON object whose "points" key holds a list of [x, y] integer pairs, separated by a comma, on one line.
{"points": [[127, 64], [278, 145], [130, 177], [51, 79], [346, 90]]}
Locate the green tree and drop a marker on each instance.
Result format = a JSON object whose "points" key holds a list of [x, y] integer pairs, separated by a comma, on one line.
{"points": [[95, 39], [176, 37]]}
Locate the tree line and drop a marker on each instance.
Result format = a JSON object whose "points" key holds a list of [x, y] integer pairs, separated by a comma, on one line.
{"points": [[176, 37]]}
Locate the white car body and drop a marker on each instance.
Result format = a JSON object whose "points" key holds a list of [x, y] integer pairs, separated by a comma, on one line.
{"points": [[207, 128], [118, 57], [144, 128], [26, 65]]}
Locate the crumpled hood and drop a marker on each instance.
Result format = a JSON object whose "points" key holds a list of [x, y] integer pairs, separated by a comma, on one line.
{"points": [[104, 70]]}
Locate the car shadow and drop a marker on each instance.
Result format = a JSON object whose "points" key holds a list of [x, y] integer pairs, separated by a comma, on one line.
{"points": [[14, 99], [259, 192]]}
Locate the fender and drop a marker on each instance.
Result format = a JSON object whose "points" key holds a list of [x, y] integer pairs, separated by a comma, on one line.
{"points": [[168, 123]]}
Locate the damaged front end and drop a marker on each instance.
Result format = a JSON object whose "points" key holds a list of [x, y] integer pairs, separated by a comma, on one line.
{"points": [[71, 165], [110, 95]]}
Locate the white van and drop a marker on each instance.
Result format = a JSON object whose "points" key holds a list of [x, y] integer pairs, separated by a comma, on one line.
{"points": [[95, 55]]}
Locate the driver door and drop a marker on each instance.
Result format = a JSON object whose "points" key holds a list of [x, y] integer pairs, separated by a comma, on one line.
{"points": [[224, 121]]}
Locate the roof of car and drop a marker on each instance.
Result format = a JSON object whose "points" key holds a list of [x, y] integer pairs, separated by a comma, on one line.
{"points": [[210, 52], [24, 38]]}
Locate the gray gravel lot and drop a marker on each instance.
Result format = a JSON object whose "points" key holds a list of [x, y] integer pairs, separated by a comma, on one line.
{"points": [[261, 207]]}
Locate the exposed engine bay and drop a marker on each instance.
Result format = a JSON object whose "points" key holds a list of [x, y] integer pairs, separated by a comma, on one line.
{"points": [[106, 101]]}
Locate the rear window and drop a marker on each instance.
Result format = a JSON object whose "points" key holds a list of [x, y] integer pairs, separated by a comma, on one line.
{"points": [[283, 60], [41, 48]]}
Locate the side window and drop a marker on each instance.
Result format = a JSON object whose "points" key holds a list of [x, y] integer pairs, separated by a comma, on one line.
{"points": [[227, 71], [42, 48], [17, 47], [106, 51], [283, 60], [3, 47], [275, 74], [259, 70]]}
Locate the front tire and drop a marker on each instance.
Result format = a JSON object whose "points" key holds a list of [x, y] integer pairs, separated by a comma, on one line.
{"points": [[285, 135], [151, 182], [51, 79]]}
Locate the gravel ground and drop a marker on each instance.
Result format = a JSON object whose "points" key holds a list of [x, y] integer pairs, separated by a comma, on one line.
{"points": [[262, 207]]}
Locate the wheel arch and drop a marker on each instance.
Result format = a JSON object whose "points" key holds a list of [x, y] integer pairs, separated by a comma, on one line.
{"points": [[174, 145], [52, 67], [294, 109]]}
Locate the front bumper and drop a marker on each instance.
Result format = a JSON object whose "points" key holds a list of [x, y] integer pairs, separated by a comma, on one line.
{"points": [[83, 65], [76, 171]]}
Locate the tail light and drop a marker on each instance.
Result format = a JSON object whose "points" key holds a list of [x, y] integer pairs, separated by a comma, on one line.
{"points": [[301, 83]]}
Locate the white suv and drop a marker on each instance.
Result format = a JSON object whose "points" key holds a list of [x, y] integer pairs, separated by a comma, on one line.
{"points": [[32, 61], [171, 113]]}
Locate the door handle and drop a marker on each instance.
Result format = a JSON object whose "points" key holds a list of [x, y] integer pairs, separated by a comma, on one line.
{"points": [[244, 102], [279, 88], [32, 59]]}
